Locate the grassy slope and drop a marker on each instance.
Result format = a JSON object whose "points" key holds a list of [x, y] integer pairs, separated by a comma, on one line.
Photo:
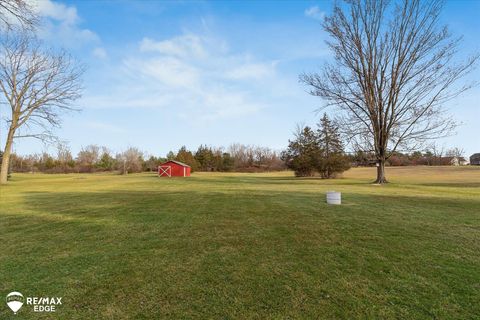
{"points": [[245, 245]]}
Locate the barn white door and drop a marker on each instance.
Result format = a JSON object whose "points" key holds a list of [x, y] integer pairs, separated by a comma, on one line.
{"points": [[165, 171]]}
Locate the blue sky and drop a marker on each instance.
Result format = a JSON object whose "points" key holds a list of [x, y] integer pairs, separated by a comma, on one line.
{"points": [[165, 74]]}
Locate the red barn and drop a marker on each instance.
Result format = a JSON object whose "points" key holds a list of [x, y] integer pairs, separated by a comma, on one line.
{"points": [[174, 168]]}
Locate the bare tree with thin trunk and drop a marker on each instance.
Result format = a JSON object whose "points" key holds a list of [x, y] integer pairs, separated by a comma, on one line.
{"points": [[17, 12], [36, 87], [455, 152], [394, 68]]}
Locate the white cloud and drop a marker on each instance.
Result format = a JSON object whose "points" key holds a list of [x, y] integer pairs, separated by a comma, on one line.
{"points": [[105, 127], [100, 53], [315, 13], [188, 45], [56, 11], [61, 24], [190, 74], [165, 69]]}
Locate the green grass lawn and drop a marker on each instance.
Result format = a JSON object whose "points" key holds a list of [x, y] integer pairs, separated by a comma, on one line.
{"points": [[244, 246]]}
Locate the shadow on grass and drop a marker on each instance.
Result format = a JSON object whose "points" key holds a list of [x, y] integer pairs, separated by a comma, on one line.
{"points": [[125, 206], [452, 184], [314, 181]]}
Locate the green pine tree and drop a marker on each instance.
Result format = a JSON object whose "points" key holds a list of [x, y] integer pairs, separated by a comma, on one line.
{"points": [[171, 155], [186, 156], [303, 153], [227, 162], [333, 159]]}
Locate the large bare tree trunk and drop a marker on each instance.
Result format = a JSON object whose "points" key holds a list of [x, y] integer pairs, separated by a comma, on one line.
{"points": [[6, 158], [381, 179]]}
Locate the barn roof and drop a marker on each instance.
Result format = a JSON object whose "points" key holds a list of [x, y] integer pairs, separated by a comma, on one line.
{"points": [[177, 162]]}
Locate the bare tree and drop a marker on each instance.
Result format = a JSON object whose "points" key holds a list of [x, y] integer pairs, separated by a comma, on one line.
{"points": [[254, 158], [130, 160], [88, 158], [64, 157], [455, 152], [438, 152], [36, 86], [393, 71], [17, 12]]}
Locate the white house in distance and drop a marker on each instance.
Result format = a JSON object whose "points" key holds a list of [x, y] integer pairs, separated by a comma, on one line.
{"points": [[458, 161]]}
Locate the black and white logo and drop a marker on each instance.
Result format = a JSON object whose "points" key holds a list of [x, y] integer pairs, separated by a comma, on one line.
{"points": [[15, 301]]}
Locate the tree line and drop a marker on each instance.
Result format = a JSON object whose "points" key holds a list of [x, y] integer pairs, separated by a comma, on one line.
{"points": [[432, 156], [313, 151], [94, 158]]}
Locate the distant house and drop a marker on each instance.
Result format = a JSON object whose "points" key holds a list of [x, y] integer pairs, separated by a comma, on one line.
{"points": [[174, 168], [458, 161], [475, 159], [451, 161]]}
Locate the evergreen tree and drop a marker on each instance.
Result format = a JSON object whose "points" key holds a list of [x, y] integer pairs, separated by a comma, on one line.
{"points": [[333, 159], [217, 159], [186, 156], [171, 155], [205, 158], [227, 162], [106, 162], [303, 153]]}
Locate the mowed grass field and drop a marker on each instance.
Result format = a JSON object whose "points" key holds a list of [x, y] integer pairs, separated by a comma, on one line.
{"points": [[244, 246]]}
